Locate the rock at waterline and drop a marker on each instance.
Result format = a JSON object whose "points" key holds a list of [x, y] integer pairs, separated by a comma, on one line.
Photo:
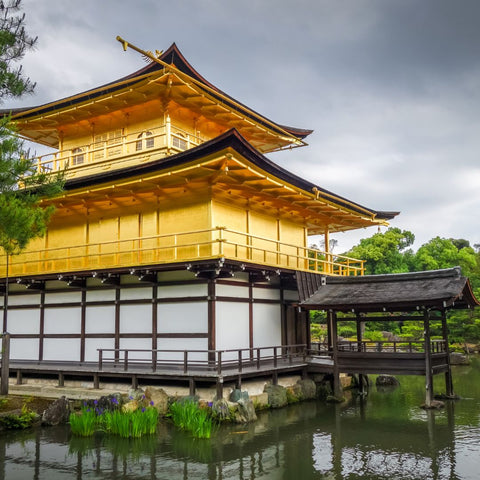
{"points": [[57, 413], [387, 381]]}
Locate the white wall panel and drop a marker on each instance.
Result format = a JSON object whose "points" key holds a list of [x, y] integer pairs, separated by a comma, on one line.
{"points": [[23, 300], [137, 343], [100, 295], [136, 293], [267, 330], [24, 348], [91, 345], [63, 297], [182, 344], [191, 290], [231, 326], [62, 320], [266, 293], [231, 291], [136, 319], [100, 319], [24, 321], [189, 317], [67, 349]]}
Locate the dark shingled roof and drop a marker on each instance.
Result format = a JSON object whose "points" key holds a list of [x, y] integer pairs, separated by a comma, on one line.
{"points": [[394, 292]]}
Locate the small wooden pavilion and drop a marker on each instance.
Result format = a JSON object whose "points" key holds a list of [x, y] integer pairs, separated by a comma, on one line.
{"points": [[423, 297]]}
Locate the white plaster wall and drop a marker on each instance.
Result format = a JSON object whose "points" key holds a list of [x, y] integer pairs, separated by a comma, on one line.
{"points": [[136, 319], [267, 330], [290, 295], [61, 349], [136, 293], [62, 320], [266, 293], [23, 300], [191, 317], [100, 319], [100, 295], [182, 344], [24, 321], [137, 343], [91, 345], [24, 348], [231, 291], [191, 290], [231, 327], [63, 297]]}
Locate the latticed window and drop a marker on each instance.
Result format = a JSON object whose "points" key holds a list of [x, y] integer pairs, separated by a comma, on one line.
{"points": [[179, 141], [109, 141], [145, 140], [78, 156]]}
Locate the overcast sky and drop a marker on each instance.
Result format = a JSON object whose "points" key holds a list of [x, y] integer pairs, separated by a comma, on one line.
{"points": [[391, 88]]}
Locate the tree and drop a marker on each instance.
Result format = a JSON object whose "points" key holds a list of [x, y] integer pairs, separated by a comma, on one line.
{"points": [[22, 216], [385, 252]]}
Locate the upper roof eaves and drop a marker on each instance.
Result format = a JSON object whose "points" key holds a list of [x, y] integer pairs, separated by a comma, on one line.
{"points": [[172, 56]]}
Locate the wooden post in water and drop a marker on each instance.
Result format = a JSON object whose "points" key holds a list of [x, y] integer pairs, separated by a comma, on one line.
{"points": [[332, 327], [361, 377], [5, 364], [428, 360], [448, 374]]}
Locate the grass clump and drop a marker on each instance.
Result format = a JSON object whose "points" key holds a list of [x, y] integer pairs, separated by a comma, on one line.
{"points": [[190, 417], [126, 424]]}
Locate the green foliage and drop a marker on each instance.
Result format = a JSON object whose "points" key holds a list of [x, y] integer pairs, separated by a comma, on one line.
{"points": [[190, 417], [22, 218], [84, 423], [24, 420], [126, 424], [385, 252]]}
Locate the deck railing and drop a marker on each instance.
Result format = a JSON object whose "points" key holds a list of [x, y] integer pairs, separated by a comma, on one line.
{"points": [[436, 346], [218, 242], [118, 150], [189, 361]]}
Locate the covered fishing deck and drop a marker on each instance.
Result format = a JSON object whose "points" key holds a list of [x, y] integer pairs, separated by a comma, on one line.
{"points": [[423, 297]]}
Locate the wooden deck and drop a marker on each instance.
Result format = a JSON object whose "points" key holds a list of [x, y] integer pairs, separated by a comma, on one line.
{"points": [[217, 367]]}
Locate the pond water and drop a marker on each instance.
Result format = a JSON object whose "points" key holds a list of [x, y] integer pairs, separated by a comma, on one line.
{"points": [[385, 435]]}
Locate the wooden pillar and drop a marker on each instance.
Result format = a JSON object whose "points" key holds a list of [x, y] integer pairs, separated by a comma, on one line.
{"points": [[428, 360], [5, 364], [332, 327], [211, 319], [448, 374]]}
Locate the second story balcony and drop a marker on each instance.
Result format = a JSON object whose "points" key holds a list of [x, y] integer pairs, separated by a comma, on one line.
{"points": [[183, 247], [117, 149]]}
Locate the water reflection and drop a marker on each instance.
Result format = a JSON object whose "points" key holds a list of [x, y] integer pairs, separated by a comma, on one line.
{"points": [[385, 435]]}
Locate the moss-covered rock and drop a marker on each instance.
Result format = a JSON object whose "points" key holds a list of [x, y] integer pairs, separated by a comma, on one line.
{"points": [[277, 395]]}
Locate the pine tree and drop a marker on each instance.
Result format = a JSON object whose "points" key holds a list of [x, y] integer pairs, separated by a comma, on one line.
{"points": [[22, 216]]}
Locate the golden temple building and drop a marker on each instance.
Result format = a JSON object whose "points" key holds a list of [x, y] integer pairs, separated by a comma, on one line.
{"points": [[174, 230]]}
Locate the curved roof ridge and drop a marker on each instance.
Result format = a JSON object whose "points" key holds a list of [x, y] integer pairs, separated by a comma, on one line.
{"points": [[170, 56]]}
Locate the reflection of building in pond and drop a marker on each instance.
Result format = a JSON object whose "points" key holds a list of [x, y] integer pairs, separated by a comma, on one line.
{"points": [[299, 442]]}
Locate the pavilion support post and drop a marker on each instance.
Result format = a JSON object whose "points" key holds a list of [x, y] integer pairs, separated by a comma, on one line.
{"points": [[361, 379], [448, 374], [332, 327], [428, 361]]}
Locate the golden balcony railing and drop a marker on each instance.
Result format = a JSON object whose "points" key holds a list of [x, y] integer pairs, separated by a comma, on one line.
{"points": [[116, 150], [180, 247]]}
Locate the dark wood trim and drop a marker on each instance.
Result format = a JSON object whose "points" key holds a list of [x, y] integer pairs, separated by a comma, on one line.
{"points": [[182, 335], [154, 317], [250, 315], [283, 319], [211, 316], [233, 299], [232, 283], [42, 326], [83, 325], [63, 305], [34, 306], [117, 320]]}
